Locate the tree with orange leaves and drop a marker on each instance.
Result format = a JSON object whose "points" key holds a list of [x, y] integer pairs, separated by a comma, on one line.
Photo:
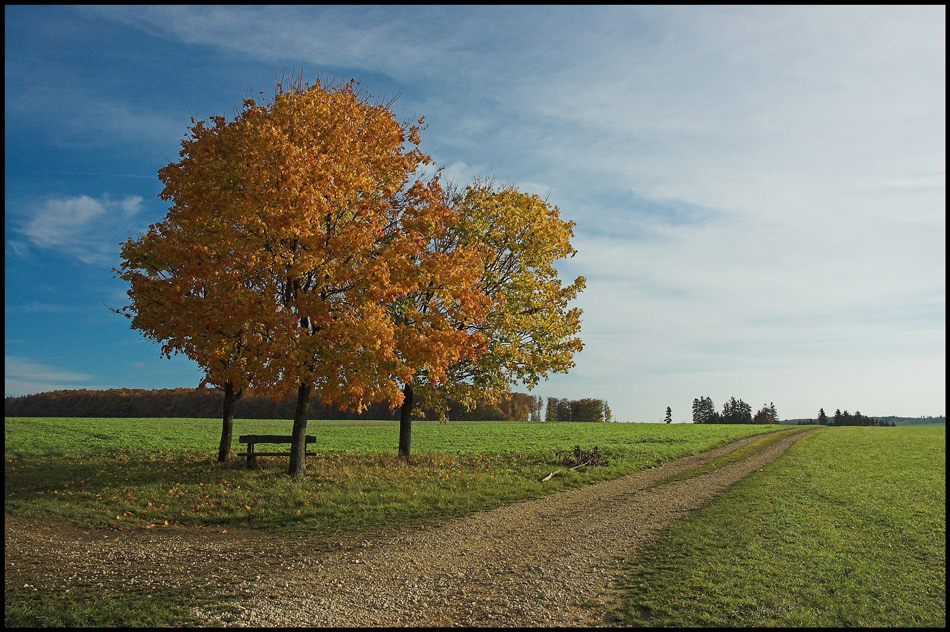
{"points": [[299, 224], [210, 317]]}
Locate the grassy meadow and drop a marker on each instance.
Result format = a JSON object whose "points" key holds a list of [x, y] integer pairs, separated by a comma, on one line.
{"points": [[124, 473], [847, 529]]}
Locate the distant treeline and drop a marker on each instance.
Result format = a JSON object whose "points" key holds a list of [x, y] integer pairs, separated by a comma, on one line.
{"points": [[207, 402], [733, 412], [587, 409], [857, 419], [847, 419]]}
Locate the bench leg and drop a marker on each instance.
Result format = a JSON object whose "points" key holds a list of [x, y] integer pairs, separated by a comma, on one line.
{"points": [[251, 457]]}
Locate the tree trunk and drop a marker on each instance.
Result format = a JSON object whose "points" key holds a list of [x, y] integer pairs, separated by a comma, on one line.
{"points": [[405, 423], [298, 445], [227, 425]]}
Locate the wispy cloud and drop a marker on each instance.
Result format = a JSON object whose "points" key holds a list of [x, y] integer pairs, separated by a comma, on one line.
{"points": [[39, 308], [23, 377], [80, 226], [69, 114], [382, 39]]}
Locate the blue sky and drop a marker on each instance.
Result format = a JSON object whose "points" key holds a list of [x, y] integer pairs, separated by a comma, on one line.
{"points": [[759, 192]]}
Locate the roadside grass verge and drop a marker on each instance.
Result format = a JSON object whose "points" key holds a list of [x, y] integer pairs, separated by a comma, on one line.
{"points": [[736, 455], [847, 529], [83, 609]]}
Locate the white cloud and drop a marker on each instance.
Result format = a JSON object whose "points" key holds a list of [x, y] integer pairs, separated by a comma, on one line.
{"points": [[56, 222], [462, 174], [24, 377], [79, 226]]}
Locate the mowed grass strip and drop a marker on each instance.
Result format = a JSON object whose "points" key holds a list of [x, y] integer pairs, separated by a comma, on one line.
{"points": [[146, 473], [736, 455], [847, 529]]}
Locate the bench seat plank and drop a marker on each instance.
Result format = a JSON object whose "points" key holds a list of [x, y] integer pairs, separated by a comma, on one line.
{"points": [[273, 453], [252, 440], [272, 439]]}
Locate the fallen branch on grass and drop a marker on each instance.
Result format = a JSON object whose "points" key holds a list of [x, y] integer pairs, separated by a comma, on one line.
{"points": [[580, 458]]}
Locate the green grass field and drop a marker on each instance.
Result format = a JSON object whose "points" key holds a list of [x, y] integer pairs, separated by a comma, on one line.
{"points": [[146, 472], [847, 529]]}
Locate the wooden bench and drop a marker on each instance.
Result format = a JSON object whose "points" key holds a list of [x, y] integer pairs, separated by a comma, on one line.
{"points": [[252, 440]]}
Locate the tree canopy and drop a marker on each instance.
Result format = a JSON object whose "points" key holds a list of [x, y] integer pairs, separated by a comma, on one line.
{"points": [[290, 232], [530, 330], [303, 253]]}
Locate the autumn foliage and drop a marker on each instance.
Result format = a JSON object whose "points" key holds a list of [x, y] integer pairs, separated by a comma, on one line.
{"points": [[302, 253], [530, 330]]}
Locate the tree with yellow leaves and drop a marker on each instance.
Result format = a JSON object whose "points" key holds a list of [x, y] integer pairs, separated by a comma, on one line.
{"points": [[530, 331]]}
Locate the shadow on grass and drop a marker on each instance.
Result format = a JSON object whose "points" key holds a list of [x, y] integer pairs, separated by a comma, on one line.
{"points": [[137, 488], [43, 475], [128, 488]]}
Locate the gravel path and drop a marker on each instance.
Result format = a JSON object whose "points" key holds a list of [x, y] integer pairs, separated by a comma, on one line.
{"points": [[545, 562]]}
